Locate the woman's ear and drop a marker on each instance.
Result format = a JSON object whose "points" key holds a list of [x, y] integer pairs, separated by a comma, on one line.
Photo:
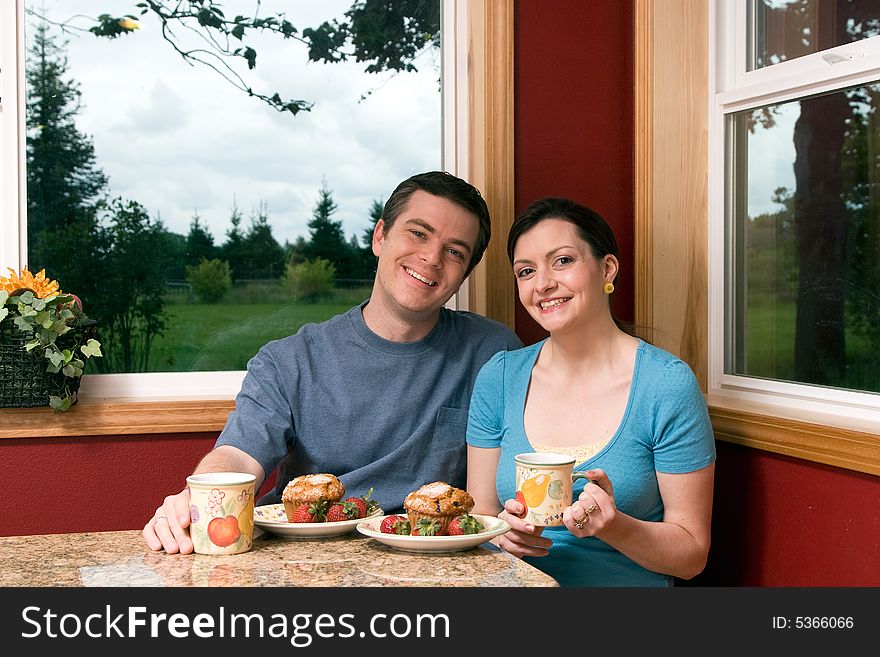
{"points": [[610, 268]]}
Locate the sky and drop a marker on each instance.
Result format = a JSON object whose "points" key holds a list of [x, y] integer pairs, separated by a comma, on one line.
{"points": [[771, 160], [181, 140]]}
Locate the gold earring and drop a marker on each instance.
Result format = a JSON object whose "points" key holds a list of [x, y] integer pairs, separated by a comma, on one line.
{"points": [[608, 288]]}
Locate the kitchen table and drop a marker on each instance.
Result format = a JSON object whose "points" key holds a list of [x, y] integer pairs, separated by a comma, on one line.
{"points": [[122, 559]]}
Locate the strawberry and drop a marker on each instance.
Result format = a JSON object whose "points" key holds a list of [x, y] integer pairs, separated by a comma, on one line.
{"points": [[394, 524], [361, 505], [366, 504], [307, 513], [465, 524], [426, 527], [342, 511]]}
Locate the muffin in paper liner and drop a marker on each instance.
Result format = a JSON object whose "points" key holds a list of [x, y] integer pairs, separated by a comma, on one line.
{"points": [[437, 501], [310, 489]]}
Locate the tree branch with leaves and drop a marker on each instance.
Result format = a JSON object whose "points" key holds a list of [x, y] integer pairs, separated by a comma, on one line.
{"points": [[387, 36]]}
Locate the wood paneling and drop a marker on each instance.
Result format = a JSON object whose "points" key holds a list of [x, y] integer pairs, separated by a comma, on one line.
{"points": [[671, 135], [491, 149]]}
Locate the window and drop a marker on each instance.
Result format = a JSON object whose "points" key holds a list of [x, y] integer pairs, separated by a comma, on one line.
{"points": [[794, 212], [277, 194]]}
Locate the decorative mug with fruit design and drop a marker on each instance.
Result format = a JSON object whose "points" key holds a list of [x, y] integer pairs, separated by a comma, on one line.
{"points": [[544, 485], [221, 512]]}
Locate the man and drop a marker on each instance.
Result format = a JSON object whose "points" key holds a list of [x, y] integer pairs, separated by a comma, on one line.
{"points": [[379, 395]]}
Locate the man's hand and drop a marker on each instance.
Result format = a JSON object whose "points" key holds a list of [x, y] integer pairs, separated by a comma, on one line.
{"points": [[168, 529]]}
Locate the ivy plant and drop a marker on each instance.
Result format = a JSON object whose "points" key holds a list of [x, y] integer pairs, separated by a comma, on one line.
{"points": [[45, 322]]}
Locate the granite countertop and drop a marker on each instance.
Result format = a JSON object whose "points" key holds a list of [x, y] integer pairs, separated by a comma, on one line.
{"points": [[122, 558]]}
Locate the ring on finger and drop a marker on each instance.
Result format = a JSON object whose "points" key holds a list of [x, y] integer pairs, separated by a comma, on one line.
{"points": [[158, 518], [580, 523], [591, 508]]}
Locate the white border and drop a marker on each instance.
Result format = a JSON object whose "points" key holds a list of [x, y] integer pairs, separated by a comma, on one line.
{"points": [[732, 89], [188, 385]]}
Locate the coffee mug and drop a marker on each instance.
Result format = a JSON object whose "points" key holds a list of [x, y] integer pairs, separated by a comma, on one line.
{"points": [[221, 512], [544, 486]]}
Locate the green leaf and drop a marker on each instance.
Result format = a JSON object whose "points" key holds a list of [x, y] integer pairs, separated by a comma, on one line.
{"points": [[4, 295], [39, 304], [56, 358], [91, 348], [28, 298], [251, 56], [29, 346], [3, 311], [61, 403]]}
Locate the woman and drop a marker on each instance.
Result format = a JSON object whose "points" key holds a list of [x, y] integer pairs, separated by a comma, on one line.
{"points": [[631, 414]]}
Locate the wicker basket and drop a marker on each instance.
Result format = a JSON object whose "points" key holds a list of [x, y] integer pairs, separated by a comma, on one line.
{"points": [[24, 381]]}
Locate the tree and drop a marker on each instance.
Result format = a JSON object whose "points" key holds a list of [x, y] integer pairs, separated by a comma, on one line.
{"points": [[64, 185], [326, 239], [232, 250], [131, 265], [367, 259], [199, 242], [387, 36], [263, 255]]}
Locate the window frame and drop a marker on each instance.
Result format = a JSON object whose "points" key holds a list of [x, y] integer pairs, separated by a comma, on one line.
{"points": [[732, 88]]}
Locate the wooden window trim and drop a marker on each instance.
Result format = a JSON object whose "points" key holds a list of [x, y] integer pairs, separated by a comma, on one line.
{"points": [[671, 77], [490, 153]]}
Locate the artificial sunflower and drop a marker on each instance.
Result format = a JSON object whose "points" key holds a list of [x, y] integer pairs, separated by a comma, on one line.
{"points": [[41, 286]]}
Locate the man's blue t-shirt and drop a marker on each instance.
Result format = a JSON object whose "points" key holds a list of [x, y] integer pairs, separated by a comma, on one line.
{"points": [[337, 398], [665, 428]]}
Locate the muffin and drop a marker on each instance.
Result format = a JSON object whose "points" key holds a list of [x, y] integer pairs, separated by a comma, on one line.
{"points": [[321, 489], [436, 503]]}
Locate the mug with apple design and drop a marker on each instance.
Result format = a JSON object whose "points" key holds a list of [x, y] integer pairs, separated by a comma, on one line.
{"points": [[544, 486], [221, 512]]}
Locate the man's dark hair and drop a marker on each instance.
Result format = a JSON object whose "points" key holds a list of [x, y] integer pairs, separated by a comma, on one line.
{"points": [[452, 188]]}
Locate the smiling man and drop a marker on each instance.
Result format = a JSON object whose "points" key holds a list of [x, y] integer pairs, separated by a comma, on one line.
{"points": [[379, 395]]}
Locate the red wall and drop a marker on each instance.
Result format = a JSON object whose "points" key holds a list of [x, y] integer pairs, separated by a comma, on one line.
{"points": [[574, 119], [777, 521], [781, 521], [59, 485]]}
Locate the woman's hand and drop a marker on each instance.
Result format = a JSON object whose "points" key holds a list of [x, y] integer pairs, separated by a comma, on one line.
{"points": [[523, 539], [594, 509]]}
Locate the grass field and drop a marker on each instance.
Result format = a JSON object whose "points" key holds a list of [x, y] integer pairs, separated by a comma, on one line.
{"points": [[206, 337]]}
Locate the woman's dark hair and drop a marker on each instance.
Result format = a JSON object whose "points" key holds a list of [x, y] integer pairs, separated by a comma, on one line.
{"points": [[452, 188], [590, 225]]}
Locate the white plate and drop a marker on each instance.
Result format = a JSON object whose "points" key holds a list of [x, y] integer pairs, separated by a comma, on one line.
{"points": [[493, 527], [272, 518]]}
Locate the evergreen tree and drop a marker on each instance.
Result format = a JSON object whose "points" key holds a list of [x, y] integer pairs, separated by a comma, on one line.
{"points": [[232, 250], [367, 261], [375, 212], [64, 185], [263, 255], [326, 238], [295, 253], [199, 242]]}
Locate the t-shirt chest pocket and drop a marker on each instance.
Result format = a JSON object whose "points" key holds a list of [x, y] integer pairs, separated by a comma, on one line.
{"points": [[450, 427]]}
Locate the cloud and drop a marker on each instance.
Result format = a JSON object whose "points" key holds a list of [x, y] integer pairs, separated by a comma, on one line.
{"points": [[179, 139]]}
